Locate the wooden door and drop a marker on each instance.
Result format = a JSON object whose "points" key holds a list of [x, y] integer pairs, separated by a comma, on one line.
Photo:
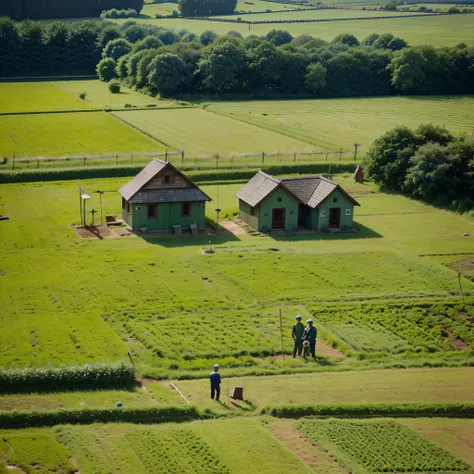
{"points": [[335, 217], [278, 218]]}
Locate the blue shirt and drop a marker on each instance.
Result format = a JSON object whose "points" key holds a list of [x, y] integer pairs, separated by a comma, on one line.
{"points": [[215, 379]]}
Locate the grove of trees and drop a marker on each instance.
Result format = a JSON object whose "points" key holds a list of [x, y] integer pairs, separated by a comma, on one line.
{"points": [[36, 9], [428, 163], [206, 7]]}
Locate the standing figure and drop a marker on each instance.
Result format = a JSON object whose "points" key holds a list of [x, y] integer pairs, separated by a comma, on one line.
{"points": [[310, 334], [297, 335], [215, 379]]}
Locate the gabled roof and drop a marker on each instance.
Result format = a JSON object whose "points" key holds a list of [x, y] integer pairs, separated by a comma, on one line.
{"points": [[132, 190], [310, 190]]}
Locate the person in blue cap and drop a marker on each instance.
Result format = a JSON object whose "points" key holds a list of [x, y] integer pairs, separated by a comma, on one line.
{"points": [[297, 335], [215, 378], [310, 334]]}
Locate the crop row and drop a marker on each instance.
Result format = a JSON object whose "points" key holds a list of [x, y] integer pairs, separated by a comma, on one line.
{"points": [[175, 453], [382, 446], [400, 327]]}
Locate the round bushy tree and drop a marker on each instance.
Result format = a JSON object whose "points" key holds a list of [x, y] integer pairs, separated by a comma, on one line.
{"points": [[346, 38], [135, 33], [207, 37], [116, 48], [114, 87], [167, 73], [106, 69], [315, 79], [279, 37]]}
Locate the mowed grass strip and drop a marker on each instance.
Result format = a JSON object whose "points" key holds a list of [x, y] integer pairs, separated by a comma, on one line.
{"points": [[374, 386], [70, 134], [17, 97], [330, 124], [199, 132], [436, 30]]}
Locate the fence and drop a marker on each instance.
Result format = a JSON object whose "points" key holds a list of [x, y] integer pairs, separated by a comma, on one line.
{"points": [[180, 158]]}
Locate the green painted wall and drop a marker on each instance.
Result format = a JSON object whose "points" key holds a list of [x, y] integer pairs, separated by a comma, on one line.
{"points": [[272, 202], [169, 215], [321, 223], [245, 214]]}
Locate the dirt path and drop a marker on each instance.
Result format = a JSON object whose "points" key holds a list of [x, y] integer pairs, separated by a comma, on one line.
{"points": [[232, 227], [309, 453]]}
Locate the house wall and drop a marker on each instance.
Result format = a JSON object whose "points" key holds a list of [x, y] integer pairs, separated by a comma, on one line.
{"points": [[272, 202], [168, 215], [245, 213], [321, 223], [126, 217]]}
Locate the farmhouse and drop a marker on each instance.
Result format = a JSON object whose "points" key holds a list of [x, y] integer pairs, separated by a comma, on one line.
{"points": [[161, 198], [312, 202]]}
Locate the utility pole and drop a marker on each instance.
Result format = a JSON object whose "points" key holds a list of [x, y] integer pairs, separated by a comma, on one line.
{"points": [[356, 146], [281, 337]]}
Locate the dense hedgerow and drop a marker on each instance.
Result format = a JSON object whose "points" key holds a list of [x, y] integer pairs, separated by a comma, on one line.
{"points": [[23, 419], [448, 410], [91, 375], [114, 13]]}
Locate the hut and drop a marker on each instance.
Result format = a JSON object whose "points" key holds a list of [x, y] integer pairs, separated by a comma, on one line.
{"points": [[358, 175]]}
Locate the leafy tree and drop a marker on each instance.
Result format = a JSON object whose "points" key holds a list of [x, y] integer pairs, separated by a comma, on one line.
{"points": [[315, 79], [207, 37], [122, 66], [388, 41], [225, 68], [408, 70], [301, 40], [116, 48], [106, 69], [391, 6], [167, 73], [206, 7], [279, 37], [370, 40], [433, 133], [453, 10], [141, 77], [109, 33], [234, 34], [189, 37], [135, 33], [168, 37], [346, 38], [150, 42]]}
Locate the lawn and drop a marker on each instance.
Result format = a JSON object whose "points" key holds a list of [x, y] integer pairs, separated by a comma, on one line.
{"points": [[120, 287], [371, 386], [438, 31], [330, 124], [199, 132], [17, 97], [69, 135], [380, 446]]}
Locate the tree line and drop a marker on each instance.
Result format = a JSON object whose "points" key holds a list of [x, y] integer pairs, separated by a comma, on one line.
{"points": [[35, 9], [428, 163], [206, 7]]}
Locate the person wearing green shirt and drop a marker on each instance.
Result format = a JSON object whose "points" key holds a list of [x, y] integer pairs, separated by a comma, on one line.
{"points": [[310, 334], [297, 335]]}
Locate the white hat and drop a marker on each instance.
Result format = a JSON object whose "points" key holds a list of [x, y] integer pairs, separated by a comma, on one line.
{"points": [[309, 320], [216, 366], [299, 317]]}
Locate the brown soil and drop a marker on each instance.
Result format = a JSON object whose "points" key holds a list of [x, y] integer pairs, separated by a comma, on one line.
{"points": [[466, 264], [94, 232], [308, 452], [457, 343], [466, 318], [232, 227]]}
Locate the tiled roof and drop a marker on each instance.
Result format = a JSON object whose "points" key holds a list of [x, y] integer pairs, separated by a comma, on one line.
{"points": [[258, 188], [169, 195], [147, 173]]}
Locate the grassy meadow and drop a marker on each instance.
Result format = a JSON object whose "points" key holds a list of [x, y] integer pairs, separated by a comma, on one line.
{"points": [[425, 29], [330, 124], [70, 134]]}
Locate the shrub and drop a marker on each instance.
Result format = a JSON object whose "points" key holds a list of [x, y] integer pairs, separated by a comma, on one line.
{"points": [[114, 87], [116, 48], [83, 95], [114, 13], [106, 69]]}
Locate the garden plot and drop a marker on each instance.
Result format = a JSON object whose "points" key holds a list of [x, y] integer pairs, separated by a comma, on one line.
{"points": [[381, 446], [70, 134]]}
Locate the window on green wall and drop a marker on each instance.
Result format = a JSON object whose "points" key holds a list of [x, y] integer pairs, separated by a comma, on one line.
{"points": [[152, 211], [186, 209]]}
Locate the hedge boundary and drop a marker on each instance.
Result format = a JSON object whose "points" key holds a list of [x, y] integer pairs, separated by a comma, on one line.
{"points": [[368, 410], [166, 414], [63, 174], [72, 377]]}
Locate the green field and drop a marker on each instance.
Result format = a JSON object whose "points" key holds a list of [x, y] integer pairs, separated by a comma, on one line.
{"points": [[199, 132], [438, 31], [70, 134], [338, 123]]}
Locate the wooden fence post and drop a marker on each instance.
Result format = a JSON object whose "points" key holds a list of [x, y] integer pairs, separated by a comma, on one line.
{"points": [[294, 157], [327, 156], [340, 154], [263, 158], [14, 157], [182, 156]]}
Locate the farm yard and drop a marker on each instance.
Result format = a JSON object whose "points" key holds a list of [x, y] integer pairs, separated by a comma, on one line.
{"points": [[108, 333]]}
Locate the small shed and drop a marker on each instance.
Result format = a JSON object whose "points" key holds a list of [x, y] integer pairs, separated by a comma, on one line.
{"points": [[312, 202], [358, 175], [161, 197]]}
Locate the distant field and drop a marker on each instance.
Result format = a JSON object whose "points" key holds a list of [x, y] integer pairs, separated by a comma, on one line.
{"points": [[199, 132], [69, 134], [37, 97], [333, 123], [438, 31], [316, 15]]}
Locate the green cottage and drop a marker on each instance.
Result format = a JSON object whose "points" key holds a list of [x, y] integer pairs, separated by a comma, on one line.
{"points": [[161, 198], [311, 202]]}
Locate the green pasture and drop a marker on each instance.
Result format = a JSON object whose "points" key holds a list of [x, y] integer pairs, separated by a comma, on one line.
{"points": [[70, 134], [441, 7], [330, 124], [370, 386], [199, 132], [122, 288], [18, 97], [425, 29], [316, 15]]}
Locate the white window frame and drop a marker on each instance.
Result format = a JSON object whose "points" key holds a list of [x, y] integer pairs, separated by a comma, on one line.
{"points": [[348, 212], [322, 213]]}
